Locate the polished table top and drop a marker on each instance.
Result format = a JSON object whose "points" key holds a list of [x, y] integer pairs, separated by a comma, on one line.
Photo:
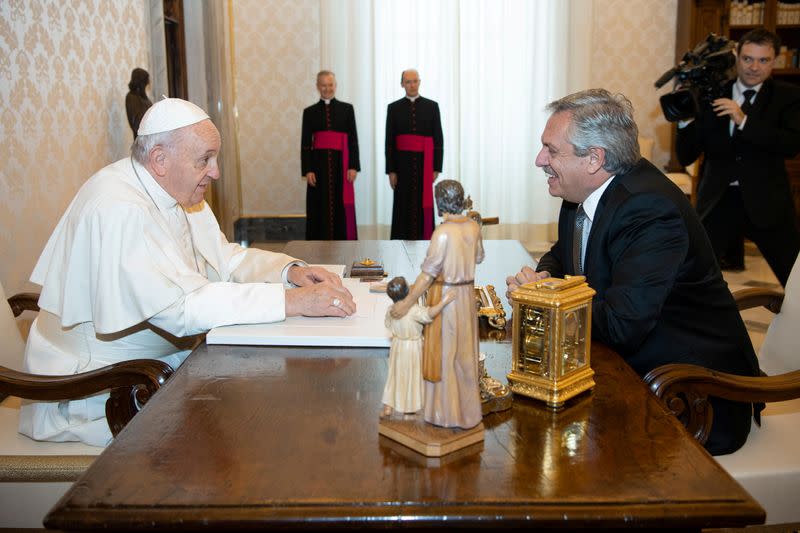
{"points": [[246, 437], [403, 258]]}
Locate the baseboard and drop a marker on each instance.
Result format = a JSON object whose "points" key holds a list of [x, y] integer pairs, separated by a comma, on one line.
{"points": [[269, 229]]}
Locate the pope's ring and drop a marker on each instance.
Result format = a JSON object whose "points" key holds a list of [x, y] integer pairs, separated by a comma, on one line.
{"points": [[336, 302]]}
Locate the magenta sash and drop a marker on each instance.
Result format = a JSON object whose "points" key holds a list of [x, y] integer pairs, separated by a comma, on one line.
{"points": [[424, 144], [337, 140]]}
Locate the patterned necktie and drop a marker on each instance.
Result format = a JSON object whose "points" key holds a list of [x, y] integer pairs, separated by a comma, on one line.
{"points": [[577, 240], [747, 104]]}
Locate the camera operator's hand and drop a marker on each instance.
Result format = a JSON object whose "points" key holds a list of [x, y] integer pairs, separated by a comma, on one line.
{"points": [[727, 107]]}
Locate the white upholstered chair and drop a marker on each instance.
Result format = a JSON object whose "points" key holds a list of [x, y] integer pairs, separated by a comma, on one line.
{"points": [[34, 475], [768, 465]]}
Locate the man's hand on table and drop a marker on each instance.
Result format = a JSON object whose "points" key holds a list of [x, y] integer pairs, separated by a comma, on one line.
{"points": [[319, 293], [526, 275]]}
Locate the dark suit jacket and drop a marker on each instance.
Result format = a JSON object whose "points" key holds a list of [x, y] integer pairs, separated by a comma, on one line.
{"points": [[660, 295], [755, 155]]}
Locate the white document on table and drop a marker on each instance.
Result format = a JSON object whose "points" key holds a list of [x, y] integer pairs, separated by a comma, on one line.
{"points": [[364, 328]]}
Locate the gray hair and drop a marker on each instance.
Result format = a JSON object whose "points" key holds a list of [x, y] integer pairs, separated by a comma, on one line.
{"points": [[322, 73], [602, 120], [144, 144], [449, 196]]}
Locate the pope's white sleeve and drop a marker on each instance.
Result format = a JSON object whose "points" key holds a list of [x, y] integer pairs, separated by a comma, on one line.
{"points": [[250, 265], [222, 304]]}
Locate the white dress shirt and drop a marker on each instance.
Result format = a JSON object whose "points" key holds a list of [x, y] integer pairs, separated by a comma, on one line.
{"points": [[590, 208]]}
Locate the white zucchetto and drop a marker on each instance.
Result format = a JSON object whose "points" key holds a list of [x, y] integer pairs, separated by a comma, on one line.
{"points": [[170, 114]]}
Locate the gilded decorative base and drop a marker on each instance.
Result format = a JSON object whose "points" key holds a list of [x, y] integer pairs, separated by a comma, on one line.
{"points": [[553, 393], [494, 395]]}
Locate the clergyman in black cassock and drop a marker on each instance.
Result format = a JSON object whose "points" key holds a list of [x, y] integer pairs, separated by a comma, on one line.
{"points": [[329, 143], [414, 141]]}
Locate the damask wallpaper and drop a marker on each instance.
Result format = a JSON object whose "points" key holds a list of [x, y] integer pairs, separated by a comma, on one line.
{"points": [[634, 44], [64, 72], [276, 58], [65, 64]]}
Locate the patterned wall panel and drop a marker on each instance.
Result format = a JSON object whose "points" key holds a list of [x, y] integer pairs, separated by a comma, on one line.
{"points": [[64, 70], [634, 44], [276, 58]]}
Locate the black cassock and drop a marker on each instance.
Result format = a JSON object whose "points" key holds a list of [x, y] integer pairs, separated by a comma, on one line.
{"points": [[325, 212], [420, 117]]}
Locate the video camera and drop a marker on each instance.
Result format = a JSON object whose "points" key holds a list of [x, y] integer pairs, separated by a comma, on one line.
{"points": [[702, 74]]}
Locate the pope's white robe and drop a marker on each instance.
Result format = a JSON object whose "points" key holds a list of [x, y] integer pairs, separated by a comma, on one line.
{"points": [[129, 274]]}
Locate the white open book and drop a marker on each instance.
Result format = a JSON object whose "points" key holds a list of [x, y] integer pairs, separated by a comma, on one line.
{"points": [[364, 328]]}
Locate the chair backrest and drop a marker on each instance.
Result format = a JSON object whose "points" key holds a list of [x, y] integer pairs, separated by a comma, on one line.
{"points": [[13, 346], [779, 352]]}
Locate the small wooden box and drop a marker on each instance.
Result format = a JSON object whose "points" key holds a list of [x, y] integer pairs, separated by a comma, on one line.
{"points": [[366, 268]]}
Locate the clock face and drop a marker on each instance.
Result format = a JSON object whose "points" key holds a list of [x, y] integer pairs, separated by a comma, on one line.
{"points": [[534, 343]]}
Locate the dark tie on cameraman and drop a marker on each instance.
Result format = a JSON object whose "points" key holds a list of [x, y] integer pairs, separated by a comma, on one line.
{"points": [[745, 107], [747, 104]]}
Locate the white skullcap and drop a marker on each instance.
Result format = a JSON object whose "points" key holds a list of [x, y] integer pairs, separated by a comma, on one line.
{"points": [[170, 114]]}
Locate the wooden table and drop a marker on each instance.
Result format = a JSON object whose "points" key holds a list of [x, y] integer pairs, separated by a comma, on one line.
{"points": [[249, 437]]}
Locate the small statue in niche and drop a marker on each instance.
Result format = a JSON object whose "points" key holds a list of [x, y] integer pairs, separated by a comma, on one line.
{"points": [[403, 390]]}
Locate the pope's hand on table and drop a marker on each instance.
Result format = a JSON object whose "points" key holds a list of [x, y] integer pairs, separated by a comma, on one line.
{"points": [[309, 275], [320, 299]]}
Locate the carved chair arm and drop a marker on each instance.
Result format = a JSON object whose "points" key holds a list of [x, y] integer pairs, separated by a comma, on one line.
{"points": [[756, 297], [132, 384], [24, 301], [685, 390]]}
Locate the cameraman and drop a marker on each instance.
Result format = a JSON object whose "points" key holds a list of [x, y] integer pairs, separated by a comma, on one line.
{"points": [[744, 189]]}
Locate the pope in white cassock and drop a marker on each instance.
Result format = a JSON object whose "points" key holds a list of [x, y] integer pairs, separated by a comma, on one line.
{"points": [[138, 268]]}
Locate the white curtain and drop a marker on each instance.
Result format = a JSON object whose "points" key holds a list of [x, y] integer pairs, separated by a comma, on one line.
{"points": [[491, 65]]}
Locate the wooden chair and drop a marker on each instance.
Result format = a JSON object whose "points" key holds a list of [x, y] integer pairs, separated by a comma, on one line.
{"points": [[34, 475], [768, 465]]}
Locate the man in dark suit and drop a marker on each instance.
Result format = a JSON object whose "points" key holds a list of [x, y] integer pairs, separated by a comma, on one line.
{"points": [[744, 190], [414, 152], [330, 164], [660, 294]]}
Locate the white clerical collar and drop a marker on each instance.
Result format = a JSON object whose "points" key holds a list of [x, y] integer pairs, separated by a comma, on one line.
{"points": [[739, 88], [328, 101], [160, 197], [412, 98], [590, 204]]}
